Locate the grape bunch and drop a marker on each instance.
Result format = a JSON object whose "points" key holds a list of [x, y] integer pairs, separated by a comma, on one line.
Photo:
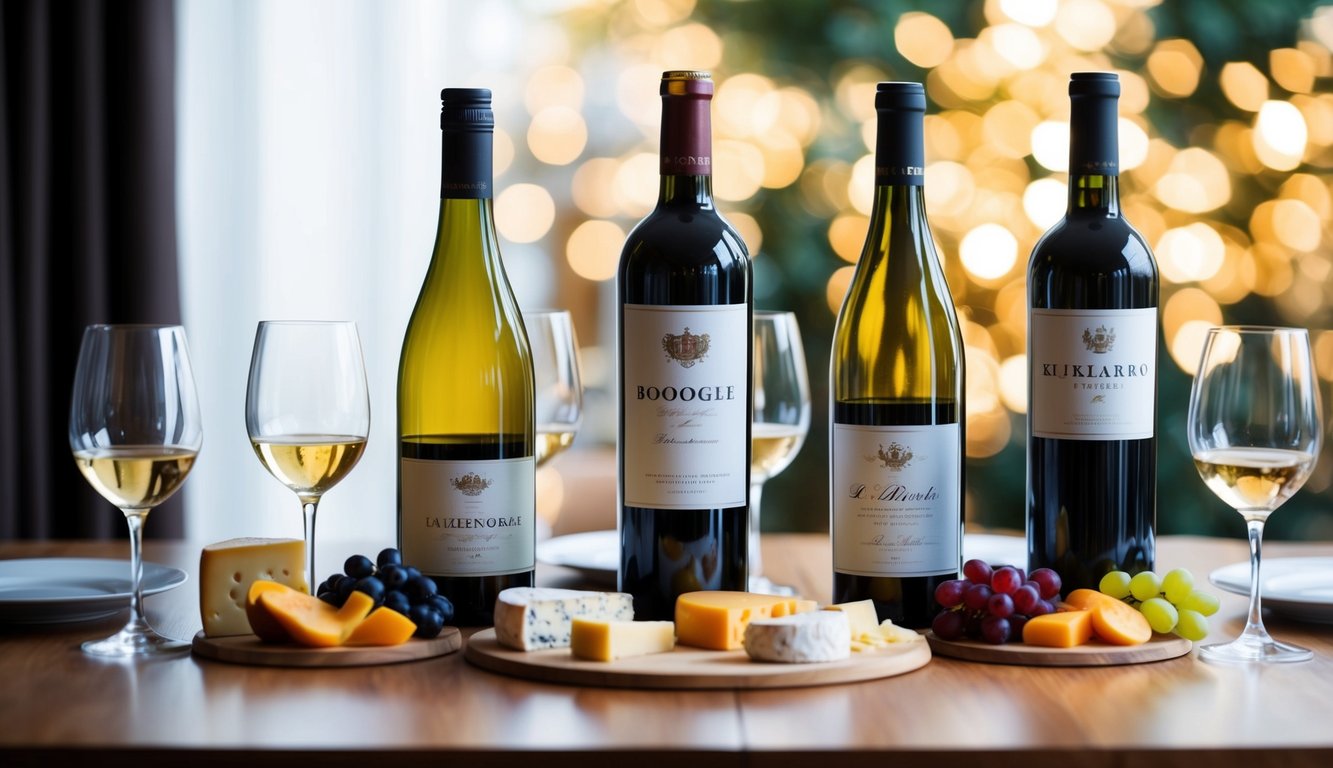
{"points": [[391, 585], [992, 605], [1170, 603]]}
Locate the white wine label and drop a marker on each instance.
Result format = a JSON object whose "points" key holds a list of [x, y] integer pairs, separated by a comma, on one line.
{"points": [[685, 442], [469, 518], [1093, 373], [896, 500]]}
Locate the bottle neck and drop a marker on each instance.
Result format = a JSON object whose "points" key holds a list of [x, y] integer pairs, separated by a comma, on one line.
{"points": [[686, 151], [1094, 155], [898, 208], [1094, 194], [466, 165]]}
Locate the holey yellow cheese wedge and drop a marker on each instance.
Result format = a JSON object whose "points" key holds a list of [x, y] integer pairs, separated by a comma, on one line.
{"points": [[228, 568], [717, 620]]}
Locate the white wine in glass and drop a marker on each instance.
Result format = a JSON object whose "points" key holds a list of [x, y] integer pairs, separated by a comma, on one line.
{"points": [[1255, 431], [135, 431], [781, 419], [555, 369], [307, 410]]}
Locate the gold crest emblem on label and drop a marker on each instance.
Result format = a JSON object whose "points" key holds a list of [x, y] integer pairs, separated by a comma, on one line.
{"points": [[685, 348], [896, 457], [1100, 340], [471, 484]]}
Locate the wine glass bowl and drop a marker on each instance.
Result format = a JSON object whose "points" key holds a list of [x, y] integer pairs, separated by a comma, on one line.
{"points": [[307, 410], [1255, 430], [134, 429], [559, 387]]}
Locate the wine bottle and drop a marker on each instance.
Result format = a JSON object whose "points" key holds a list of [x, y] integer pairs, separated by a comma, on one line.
{"points": [[466, 472], [896, 448], [685, 375], [1092, 357]]}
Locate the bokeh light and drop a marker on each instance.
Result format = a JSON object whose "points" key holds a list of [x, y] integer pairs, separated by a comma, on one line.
{"points": [[923, 39], [593, 249], [989, 251], [524, 212], [1279, 135]]}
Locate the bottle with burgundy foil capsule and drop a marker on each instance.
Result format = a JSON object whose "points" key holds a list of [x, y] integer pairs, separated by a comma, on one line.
{"points": [[897, 373], [1092, 356], [685, 396], [466, 471]]}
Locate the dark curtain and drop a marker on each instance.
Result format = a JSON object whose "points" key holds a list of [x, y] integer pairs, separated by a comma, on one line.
{"points": [[87, 232]]}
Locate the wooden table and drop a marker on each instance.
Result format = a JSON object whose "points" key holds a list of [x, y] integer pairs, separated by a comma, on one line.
{"points": [[58, 706]]}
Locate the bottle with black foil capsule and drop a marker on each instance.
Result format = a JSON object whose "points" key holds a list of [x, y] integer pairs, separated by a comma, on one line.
{"points": [[897, 382], [466, 472], [1092, 356], [685, 375]]}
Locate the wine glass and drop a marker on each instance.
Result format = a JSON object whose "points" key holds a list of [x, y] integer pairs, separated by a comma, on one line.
{"points": [[135, 431], [781, 418], [307, 410], [1255, 431], [555, 367]]}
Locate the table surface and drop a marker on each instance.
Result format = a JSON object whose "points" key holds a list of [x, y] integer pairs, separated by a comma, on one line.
{"points": [[57, 704]]}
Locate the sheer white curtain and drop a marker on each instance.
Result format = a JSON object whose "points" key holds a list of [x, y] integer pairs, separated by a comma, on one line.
{"points": [[309, 157]]}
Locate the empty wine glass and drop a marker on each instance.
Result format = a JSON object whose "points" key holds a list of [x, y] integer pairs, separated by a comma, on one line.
{"points": [[135, 431], [781, 418], [307, 410], [555, 367], [1255, 431]]}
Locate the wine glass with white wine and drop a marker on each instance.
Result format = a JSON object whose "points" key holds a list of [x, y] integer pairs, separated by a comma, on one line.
{"points": [[135, 431], [1255, 432], [307, 410], [781, 419], [559, 392]]}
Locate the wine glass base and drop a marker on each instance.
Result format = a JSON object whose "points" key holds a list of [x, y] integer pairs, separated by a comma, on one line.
{"points": [[132, 642], [1243, 650], [763, 586]]}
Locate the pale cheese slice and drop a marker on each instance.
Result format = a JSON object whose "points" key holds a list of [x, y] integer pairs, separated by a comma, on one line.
{"points": [[228, 568], [602, 640], [800, 638]]}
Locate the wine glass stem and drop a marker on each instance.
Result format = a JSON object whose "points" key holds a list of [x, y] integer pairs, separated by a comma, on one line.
{"points": [[135, 519], [309, 506], [1254, 623], [752, 555]]}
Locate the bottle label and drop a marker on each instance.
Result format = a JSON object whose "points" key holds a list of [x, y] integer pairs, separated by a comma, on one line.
{"points": [[469, 518], [1093, 373], [686, 406], [896, 499]]}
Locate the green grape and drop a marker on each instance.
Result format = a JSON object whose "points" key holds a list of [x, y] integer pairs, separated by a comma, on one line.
{"points": [[1192, 625], [1178, 583], [1145, 585], [1161, 615], [1203, 602], [1115, 584]]}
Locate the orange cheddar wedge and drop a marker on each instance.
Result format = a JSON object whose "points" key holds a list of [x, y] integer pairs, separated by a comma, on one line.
{"points": [[1059, 630], [717, 620], [313, 622], [262, 623], [1113, 621], [383, 626]]}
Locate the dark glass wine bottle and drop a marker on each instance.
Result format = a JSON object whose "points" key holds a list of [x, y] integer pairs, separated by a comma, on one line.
{"points": [[1092, 356], [685, 368], [896, 448], [466, 472]]}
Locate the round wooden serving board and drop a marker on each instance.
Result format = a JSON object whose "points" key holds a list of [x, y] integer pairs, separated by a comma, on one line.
{"points": [[1092, 654], [690, 667], [248, 649]]}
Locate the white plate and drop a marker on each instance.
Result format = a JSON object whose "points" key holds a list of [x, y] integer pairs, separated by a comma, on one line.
{"points": [[1296, 587], [63, 589], [596, 554]]}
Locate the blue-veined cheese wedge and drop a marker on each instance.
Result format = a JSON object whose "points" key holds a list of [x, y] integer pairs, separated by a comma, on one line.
{"points": [[533, 618]]}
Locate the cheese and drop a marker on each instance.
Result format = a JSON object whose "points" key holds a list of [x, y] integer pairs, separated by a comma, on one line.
{"points": [[717, 620], [532, 618], [800, 638], [228, 568], [384, 626], [1059, 630], [313, 622], [861, 616], [601, 640]]}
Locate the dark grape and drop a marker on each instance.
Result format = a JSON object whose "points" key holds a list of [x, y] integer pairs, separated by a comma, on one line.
{"points": [[949, 625], [977, 571], [1042, 608], [359, 567], [393, 576], [373, 587], [329, 597], [1000, 605], [428, 620], [1025, 597], [389, 556], [977, 597], [950, 593], [995, 630], [1016, 624], [412, 572], [1049, 581], [420, 589], [1005, 580], [345, 588], [442, 604], [397, 601]]}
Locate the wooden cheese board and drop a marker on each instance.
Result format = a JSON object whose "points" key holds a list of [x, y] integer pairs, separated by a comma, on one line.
{"points": [[1093, 654], [690, 668], [248, 649]]}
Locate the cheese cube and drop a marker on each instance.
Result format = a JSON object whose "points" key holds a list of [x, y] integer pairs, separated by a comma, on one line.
{"points": [[717, 620], [601, 640], [228, 568], [532, 618], [800, 638]]}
